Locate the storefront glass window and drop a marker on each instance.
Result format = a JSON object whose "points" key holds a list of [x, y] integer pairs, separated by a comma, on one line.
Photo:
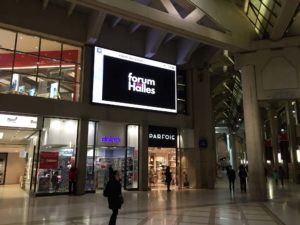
{"points": [[108, 150], [56, 155], [27, 43], [6, 63], [132, 156], [7, 39], [50, 49], [90, 182], [41, 58], [71, 54], [25, 63]]}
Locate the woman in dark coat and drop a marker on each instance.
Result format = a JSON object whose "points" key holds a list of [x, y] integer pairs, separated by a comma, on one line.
{"points": [[168, 177], [114, 193]]}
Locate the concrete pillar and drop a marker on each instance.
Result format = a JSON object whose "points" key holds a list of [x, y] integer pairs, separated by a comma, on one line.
{"points": [[143, 157], [203, 161], [254, 140], [274, 135], [87, 75], [82, 154], [291, 129]]}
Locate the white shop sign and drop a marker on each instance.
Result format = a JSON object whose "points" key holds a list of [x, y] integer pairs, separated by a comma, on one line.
{"points": [[7, 120]]}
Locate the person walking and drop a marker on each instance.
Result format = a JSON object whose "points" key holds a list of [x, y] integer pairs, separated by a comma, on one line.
{"points": [[243, 175], [281, 175], [168, 175], [113, 192], [231, 178], [275, 175], [73, 174]]}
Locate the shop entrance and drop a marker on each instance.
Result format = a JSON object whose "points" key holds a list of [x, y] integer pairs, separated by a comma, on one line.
{"points": [[118, 158], [17, 149], [158, 160]]}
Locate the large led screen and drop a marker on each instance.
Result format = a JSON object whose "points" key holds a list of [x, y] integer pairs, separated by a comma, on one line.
{"points": [[126, 80]]}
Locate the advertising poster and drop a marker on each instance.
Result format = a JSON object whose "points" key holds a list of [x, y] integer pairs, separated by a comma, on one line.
{"points": [[48, 160], [15, 82], [130, 81], [53, 90]]}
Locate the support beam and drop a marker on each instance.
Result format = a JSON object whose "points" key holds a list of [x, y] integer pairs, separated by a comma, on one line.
{"points": [[154, 40], [116, 21], [185, 50], [71, 9], [169, 37], [195, 16], [45, 4], [234, 41], [286, 15], [170, 8], [133, 27], [95, 24]]}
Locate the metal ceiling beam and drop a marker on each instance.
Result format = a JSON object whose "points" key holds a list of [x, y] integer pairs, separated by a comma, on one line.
{"points": [[195, 15], [287, 13], [185, 50], [134, 26], [171, 23], [154, 40], [170, 8], [169, 37], [45, 3], [71, 8], [96, 20], [116, 21]]}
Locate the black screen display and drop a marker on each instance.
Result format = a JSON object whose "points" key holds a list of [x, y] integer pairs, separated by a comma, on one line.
{"points": [[136, 85]]}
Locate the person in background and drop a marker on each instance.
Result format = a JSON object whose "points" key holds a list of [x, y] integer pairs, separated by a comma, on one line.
{"points": [[168, 175], [73, 174], [281, 175], [113, 192], [243, 175], [186, 182], [55, 181], [275, 175], [231, 178]]}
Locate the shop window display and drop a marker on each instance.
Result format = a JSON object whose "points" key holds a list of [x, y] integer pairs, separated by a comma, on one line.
{"points": [[39, 58], [56, 155], [159, 159], [101, 158]]}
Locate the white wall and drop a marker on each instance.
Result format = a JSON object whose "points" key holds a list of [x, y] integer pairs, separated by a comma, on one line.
{"points": [[15, 168]]}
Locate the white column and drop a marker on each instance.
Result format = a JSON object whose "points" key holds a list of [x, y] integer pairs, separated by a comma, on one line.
{"points": [[254, 141]]}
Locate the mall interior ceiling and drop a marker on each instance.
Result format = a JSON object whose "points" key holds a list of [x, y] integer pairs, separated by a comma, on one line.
{"points": [[268, 20]]}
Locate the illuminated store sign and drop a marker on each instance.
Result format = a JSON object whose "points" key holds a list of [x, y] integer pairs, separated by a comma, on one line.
{"points": [[110, 139], [18, 121], [126, 80], [162, 137]]}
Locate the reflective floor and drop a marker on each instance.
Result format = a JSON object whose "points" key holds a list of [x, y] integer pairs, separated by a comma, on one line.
{"points": [[181, 207]]}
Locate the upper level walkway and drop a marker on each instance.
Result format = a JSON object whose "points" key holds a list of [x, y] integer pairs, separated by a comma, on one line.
{"points": [[181, 207]]}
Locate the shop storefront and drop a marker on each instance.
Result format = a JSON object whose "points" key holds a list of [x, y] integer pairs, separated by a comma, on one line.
{"points": [[112, 145], [18, 143], [56, 155], [162, 152]]}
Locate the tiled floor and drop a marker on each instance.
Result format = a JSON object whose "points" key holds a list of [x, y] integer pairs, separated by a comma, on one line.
{"points": [[183, 207]]}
